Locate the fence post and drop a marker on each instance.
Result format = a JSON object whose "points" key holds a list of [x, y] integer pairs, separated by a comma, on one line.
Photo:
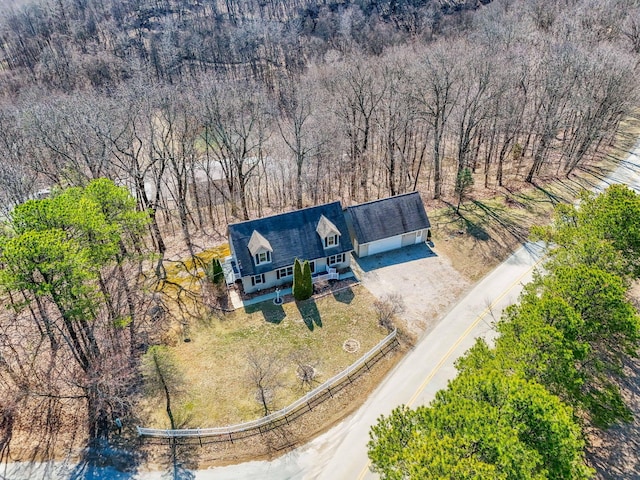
{"points": [[382, 348]]}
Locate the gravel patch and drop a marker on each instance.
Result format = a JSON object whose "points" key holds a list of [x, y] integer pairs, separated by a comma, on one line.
{"points": [[426, 281]]}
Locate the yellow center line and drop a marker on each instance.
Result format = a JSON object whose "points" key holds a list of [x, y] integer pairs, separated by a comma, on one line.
{"points": [[457, 343]]}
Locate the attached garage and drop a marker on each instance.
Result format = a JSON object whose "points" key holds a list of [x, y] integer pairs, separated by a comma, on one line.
{"points": [[387, 224], [383, 245]]}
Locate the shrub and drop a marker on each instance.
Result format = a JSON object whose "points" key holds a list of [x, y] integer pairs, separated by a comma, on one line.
{"points": [[302, 283]]}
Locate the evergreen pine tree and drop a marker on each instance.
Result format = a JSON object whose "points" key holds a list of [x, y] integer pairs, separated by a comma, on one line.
{"points": [[298, 292], [214, 271], [307, 282]]}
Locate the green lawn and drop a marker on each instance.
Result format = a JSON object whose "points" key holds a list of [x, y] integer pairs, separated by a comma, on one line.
{"points": [[207, 377]]}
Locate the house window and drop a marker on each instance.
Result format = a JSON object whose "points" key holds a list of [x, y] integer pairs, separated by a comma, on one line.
{"points": [[335, 259], [257, 279], [263, 257], [331, 241], [312, 266], [284, 272]]}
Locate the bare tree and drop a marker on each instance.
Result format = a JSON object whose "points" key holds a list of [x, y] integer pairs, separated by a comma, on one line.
{"points": [[133, 158], [176, 132], [400, 129], [631, 28], [17, 181], [72, 134], [473, 106], [236, 118], [305, 367], [388, 308], [606, 86], [357, 92], [263, 373], [437, 80], [296, 128], [556, 78]]}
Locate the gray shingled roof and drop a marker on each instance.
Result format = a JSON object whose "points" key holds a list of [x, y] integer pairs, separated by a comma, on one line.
{"points": [[388, 217], [291, 235]]}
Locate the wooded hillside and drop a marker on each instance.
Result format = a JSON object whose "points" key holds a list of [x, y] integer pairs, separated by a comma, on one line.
{"points": [[211, 112]]}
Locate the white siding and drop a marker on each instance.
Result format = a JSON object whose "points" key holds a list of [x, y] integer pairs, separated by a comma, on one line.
{"points": [[391, 243], [271, 278], [408, 239], [385, 244]]}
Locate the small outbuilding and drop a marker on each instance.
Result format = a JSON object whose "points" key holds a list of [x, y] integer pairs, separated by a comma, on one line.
{"points": [[387, 224]]}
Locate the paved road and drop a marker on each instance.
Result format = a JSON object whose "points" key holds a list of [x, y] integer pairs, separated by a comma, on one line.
{"points": [[340, 453]]}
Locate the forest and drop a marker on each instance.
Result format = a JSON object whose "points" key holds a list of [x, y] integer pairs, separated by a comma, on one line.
{"points": [[212, 111], [156, 123]]}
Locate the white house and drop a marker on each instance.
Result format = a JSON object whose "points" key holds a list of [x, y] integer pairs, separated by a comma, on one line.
{"points": [[263, 251]]}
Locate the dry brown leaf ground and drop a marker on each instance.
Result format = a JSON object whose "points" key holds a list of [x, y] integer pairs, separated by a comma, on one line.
{"points": [[492, 223]]}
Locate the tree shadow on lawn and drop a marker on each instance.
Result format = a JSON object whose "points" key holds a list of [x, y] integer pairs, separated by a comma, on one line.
{"points": [[344, 296], [475, 230], [472, 228], [553, 198], [518, 231], [309, 313], [272, 313]]}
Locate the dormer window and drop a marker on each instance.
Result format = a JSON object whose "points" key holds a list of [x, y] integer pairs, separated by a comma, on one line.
{"points": [[263, 257], [328, 232], [331, 241], [260, 248]]}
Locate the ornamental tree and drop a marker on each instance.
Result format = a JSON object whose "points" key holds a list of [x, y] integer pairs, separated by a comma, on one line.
{"points": [[302, 282]]}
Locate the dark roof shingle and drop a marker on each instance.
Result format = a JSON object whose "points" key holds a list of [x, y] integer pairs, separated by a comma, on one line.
{"points": [[291, 235], [388, 217]]}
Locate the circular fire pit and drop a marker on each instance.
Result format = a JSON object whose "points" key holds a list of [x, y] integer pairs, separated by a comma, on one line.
{"points": [[351, 346]]}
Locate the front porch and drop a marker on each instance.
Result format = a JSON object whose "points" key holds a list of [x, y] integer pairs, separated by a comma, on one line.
{"points": [[240, 299], [330, 274], [230, 270]]}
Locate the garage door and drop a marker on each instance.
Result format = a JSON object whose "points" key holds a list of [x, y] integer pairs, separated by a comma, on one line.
{"points": [[408, 239], [385, 245]]}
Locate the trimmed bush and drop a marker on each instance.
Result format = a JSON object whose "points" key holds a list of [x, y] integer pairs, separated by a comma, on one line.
{"points": [[214, 272], [307, 282], [302, 284]]}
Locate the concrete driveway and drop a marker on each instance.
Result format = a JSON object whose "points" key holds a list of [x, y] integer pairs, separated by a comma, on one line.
{"points": [[427, 283]]}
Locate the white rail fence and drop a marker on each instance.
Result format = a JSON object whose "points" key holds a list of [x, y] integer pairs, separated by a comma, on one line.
{"points": [[331, 274], [299, 407]]}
